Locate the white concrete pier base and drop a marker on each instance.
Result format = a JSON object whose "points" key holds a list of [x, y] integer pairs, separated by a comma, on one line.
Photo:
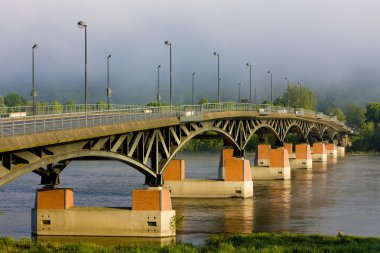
{"points": [[341, 151], [151, 215]]}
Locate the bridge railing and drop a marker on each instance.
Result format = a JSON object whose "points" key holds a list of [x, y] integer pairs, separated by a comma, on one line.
{"points": [[52, 120], [19, 111]]}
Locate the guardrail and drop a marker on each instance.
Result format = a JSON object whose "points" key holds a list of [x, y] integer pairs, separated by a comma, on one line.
{"points": [[51, 121]]}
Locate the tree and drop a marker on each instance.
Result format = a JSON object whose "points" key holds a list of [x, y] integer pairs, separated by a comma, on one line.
{"points": [[57, 107], [298, 96], [101, 105], [373, 112], [155, 103], [203, 101], [335, 111], [355, 115], [13, 99]]}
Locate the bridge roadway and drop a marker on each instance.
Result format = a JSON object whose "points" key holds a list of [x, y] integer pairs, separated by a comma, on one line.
{"points": [[146, 138]]}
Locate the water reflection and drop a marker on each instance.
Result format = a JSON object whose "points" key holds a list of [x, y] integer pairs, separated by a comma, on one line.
{"points": [[210, 216], [107, 241], [273, 214]]}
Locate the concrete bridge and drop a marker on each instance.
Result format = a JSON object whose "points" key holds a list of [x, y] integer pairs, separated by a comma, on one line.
{"points": [[147, 138]]}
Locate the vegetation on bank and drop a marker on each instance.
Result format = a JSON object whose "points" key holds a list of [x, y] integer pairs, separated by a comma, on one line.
{"points": [[258, 242]]}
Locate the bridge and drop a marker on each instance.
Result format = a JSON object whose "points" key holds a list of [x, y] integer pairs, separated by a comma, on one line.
{"points": [[146, 138]]}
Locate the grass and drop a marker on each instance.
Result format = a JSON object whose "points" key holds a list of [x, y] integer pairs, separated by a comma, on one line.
{"points": [[258, 242]]}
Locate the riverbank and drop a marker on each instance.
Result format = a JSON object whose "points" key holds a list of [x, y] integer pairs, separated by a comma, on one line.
{"points": [[258, 242]]}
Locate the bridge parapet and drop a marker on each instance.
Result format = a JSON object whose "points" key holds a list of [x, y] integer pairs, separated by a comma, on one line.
{"points": [[50, 120]]}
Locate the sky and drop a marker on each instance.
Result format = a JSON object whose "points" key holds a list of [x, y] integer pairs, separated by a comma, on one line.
{"points": [[332, 47]]}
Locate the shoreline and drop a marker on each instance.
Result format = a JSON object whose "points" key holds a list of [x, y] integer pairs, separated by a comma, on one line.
{"points": [[255, 242]]}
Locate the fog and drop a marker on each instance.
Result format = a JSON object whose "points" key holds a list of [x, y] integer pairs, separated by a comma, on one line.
{"points": [[333, 47]]}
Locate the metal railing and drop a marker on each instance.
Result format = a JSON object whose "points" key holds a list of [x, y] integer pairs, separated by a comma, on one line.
{"points": [[52, 120]]}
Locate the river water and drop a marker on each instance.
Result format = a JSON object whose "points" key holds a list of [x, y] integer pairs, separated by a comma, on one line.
{"points": [[343, 195]]}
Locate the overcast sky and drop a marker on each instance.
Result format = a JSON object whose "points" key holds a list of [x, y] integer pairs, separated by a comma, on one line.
{"points": [[324, 44]]}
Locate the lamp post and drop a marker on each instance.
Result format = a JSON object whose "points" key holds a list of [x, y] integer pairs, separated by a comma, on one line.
{"points": [[217, 54], [192, 88], [239, 84], [109, 92], [82, 25], [167, 43], [287, 79], [271, 87], [158, 85], [299, 105], [34, 92], [250, 81]]}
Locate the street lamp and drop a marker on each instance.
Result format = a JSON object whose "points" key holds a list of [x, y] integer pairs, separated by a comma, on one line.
{"points": [[158, 85], [299, 105], [167, 43], [34, 92], [250, 81], [217, 54], [271, 87], [82, 25], [287, 79], [239, 84], [192, 88], [109, 92]]}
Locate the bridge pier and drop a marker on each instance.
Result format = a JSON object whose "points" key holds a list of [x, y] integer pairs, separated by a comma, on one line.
{"points": [[235, 180], [278, 167], [331, 150], [151, 215], [319, 152], [303, 158], [341, 151]]}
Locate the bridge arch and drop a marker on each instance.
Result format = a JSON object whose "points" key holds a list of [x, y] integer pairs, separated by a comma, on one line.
{"points": [[313, 131], [225, 135], [298, 131], [145, 170], [272, 131]]}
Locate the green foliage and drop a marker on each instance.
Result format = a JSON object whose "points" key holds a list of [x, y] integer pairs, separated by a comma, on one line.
{"points": [[255, 243], [155, 103], [13, 99], [101, 105], [335, 111], [57, 107], [203, 101], [293, 138], [204, 145], [297, 96], [373, 112], [252, 143], [355, 115]]}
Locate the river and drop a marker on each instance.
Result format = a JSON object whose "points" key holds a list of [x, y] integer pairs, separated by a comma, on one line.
{"points": [[342, 196]]}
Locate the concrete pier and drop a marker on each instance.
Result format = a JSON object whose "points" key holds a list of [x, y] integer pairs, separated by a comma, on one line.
{"points": [[236, 180], [331, 150], [340, 151], [262, 155], [303, 159], [319, 152], [151, 215], [278, 168], [289, 148]]}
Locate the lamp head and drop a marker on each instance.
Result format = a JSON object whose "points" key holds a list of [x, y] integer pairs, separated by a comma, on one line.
{"points": [[268, 71], [82, 24], [215, 53], [109, 56], [167, 43], [286, 78], [194, 73], [35, 46], [159, 66], [249, 65]]}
